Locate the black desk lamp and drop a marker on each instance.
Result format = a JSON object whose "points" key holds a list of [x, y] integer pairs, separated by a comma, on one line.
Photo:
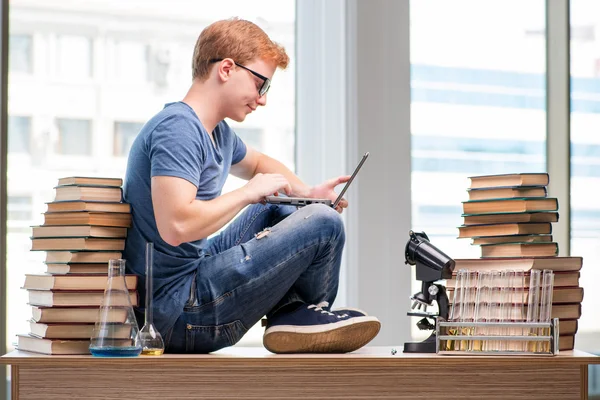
{"points": [[431, 265]]}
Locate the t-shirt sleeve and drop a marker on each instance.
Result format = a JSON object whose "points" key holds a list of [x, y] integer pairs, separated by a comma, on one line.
{"points": [[175, 150], [239, 149]]}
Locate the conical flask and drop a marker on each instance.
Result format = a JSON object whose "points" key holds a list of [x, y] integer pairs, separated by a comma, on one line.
{"points": [[116, 331], [150, 339]]}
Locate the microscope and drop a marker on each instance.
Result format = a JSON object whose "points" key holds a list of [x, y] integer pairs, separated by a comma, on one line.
{"points": [[431, 265]]}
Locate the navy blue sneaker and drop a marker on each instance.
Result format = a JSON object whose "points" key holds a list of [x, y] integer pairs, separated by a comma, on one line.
{"points": [[313, 329], [352, 312]]}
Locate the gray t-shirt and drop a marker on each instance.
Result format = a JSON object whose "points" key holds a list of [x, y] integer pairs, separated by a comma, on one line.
{"points": [[173, 143]]}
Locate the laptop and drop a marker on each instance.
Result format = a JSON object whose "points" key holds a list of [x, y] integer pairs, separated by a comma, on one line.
{"points": [[304, 201]]}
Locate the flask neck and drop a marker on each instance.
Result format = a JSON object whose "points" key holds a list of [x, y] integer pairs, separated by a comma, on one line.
{"points": [[116, 268]]}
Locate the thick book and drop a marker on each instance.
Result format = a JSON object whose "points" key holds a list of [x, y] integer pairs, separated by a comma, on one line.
{"points": [[506, 218], [77, 331], [568, 327], [560, 295], [88, 218], [512, 205], [566, 342], [519, 249], [52, 346], [90, 180], [88, 193], [73, 282], [564, 311], [87, 315], [60, 257], [507, 192], [511, 239], [527, 228], [54, 298], [40, 244], [77, 268], [501, 180], [50, 231], [519, 263], [561, 279], [98, 206]]}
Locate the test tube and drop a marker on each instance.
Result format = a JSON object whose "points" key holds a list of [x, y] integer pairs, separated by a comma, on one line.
{"points": [[518, 306], [454, 314], [533, 305], [467, 306], [505, 307], [520, 295], [494, 312], [546, 306], [478, 316], [484, 306]]}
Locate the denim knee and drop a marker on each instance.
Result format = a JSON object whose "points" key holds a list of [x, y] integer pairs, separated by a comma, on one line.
{"points": [[324, 217]]}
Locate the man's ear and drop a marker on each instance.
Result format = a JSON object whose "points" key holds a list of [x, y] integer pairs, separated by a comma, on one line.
{"points": [[225, 68]]}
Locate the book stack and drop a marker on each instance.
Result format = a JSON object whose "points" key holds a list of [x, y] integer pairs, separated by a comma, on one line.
{"points": [[84, 227], [567, 295], [510, 215]]}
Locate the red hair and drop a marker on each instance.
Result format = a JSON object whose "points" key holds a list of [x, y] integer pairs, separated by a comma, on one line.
{"points": [[241, 40]]}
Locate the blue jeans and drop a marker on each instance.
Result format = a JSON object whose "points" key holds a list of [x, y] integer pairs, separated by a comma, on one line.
{"points": [[295, 257]]}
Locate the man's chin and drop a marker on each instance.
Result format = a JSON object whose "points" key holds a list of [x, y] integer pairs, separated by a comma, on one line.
{"points": [[238, 118]]}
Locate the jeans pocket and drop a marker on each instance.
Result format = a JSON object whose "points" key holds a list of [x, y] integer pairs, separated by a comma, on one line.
{"points": [[205, 339]]}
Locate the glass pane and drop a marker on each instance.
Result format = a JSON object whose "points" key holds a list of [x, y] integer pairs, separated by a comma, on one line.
{"points": [[86, 128], [585, 167], [125, 133], [74, 136], [252, 137], [20, 53], [74, 55], [19, 134], [131, 61], [478, 105]]}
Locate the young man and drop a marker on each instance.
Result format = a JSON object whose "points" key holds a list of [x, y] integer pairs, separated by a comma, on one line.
{"points": [[272, 260]]}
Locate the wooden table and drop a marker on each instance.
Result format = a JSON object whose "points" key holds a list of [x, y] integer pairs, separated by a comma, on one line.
{"points": [[254, 373]]}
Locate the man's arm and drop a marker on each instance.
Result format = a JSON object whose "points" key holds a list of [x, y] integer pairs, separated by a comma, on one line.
{"points": [[181, 218], [256, 162]]}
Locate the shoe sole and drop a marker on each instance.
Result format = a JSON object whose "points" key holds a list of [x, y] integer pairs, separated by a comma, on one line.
{"points": [[344, 339]]}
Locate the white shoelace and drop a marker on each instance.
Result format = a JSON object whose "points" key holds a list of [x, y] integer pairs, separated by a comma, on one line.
{"points": [[320, 307]]}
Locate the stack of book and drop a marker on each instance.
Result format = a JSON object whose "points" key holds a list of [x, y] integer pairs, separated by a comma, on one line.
{"points": [[510, 215], [84, 227], [566, 296]]}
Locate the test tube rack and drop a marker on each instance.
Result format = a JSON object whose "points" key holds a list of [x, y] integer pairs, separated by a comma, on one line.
{"points": [[457, 338]]}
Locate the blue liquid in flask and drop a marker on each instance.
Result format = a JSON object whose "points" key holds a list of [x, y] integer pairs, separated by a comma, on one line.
{"points": [[116, 351], [115, 333]]}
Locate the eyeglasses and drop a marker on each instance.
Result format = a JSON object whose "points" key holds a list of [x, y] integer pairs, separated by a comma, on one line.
{"points": [[266, 81]]}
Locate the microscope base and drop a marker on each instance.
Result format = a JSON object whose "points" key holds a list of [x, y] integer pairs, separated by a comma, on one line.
{"points": [[426, 346]]}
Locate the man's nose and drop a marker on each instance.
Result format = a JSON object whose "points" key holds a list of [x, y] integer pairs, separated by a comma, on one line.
{"points": [[262, 101]]}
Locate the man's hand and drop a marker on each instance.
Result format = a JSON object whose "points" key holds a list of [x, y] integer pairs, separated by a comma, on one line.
{"points": [[325, 191], [262, 185]]}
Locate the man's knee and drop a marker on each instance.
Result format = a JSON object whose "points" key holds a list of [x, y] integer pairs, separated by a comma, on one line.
{"points": [[324, 217]]}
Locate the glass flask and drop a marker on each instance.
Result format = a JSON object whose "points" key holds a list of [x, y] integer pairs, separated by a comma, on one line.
{"points": [[116, 331], [150, 339]]}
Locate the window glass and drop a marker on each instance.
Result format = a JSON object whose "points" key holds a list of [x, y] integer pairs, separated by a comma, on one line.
{"points": [[74, 56], [125, 133], [19, 134], [74, 136], [20, 53], [478, 105], [585, 163]]}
